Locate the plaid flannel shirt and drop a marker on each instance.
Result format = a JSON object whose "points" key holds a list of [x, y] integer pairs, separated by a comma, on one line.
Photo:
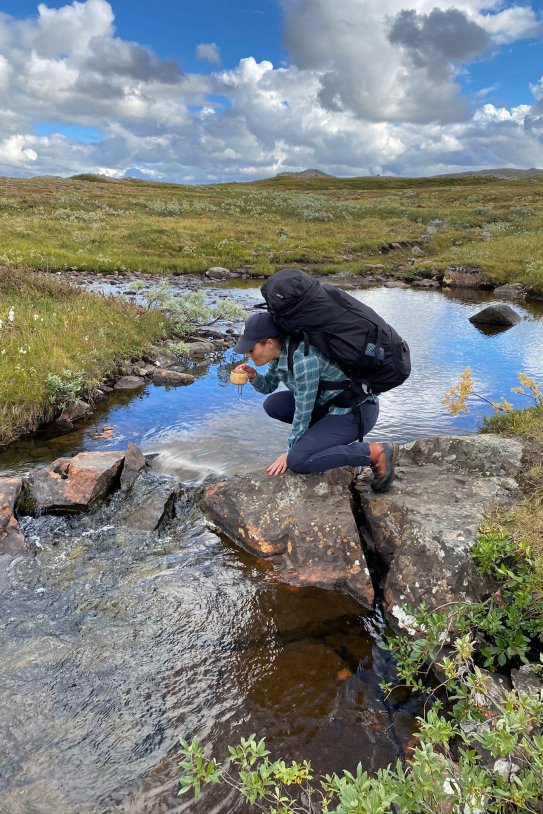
{"points": [[303, 381]]}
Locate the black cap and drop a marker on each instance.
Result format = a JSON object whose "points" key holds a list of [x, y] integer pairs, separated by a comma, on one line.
{"points": [[257, 327]]}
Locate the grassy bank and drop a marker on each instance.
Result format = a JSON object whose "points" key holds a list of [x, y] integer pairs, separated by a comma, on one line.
{"points": [[525, 521], [324, 224], [49, 328]]}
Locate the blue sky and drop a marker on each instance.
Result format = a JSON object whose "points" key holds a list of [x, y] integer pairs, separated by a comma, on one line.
{"points": [[213, 91], [173, 29]]}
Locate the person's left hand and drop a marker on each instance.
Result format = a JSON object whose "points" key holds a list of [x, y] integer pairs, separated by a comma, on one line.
{"points": [[278, 466]]}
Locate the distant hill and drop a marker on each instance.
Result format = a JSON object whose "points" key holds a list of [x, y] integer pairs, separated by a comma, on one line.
{"points": [[505, 173], [500, 172], [305, 174]]}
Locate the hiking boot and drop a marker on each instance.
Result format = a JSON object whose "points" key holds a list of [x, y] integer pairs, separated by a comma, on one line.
{"points": [[382, 457]]}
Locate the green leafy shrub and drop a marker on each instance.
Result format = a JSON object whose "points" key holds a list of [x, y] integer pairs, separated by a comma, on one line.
{"points": [[187, 312], [64, 388]]}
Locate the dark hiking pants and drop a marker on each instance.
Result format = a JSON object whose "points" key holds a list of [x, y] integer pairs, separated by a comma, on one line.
{"points": [[330, 441]]}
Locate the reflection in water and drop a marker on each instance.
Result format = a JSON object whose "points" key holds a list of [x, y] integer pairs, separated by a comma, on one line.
{"points": [[206, 428]]}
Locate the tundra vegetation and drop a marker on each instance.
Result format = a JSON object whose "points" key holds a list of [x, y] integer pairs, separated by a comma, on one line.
{"points": [[324, 224], [57, 343]]}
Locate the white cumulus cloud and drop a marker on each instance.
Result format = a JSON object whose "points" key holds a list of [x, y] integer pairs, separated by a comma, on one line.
{"points": [[371, 86]]}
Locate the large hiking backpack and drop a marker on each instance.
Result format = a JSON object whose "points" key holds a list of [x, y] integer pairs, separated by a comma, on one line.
{"points": [[372, 355]]}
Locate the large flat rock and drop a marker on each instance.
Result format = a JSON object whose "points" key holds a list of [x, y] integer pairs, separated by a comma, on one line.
{"points": [[304, 523], [425, 527]]}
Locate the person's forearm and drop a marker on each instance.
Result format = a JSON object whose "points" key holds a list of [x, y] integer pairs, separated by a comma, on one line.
{"points": [[266, 383]]}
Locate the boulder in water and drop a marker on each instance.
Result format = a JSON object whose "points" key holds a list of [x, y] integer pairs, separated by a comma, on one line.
{"points": [[149, 502], [134, 462], [171, 378], [72, 484], [500, 314]]}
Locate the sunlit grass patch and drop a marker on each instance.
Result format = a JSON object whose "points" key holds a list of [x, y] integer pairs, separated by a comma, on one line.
{"points": [[49, 327], [525, 521]]}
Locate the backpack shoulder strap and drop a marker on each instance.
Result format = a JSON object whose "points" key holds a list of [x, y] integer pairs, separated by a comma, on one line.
{"points": [[293, 343]]}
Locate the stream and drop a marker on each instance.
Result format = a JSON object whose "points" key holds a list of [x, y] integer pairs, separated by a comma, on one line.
{"points": [[113, 644]]}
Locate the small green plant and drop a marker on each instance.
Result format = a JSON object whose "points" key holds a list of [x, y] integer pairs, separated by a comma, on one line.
{"points": [[64, 388], [504, 623], [444, 775]]}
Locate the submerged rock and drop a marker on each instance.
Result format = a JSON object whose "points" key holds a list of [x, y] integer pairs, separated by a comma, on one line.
{"points": [[424, 528], [500, 314], [150, 502], [304, 523]]}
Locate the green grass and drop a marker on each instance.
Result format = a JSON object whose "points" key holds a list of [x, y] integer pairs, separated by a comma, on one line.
{"points": [[56, 328], [525, 521], [322, 224]]}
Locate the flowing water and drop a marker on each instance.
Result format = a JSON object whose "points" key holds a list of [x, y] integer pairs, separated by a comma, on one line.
{"points": [[114, 644]]}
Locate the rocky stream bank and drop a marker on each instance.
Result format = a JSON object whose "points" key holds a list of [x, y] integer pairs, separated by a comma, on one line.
{"points": [[407, 546]]}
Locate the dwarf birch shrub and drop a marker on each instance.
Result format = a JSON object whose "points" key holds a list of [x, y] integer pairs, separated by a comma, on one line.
{"points": [[187, 312]]}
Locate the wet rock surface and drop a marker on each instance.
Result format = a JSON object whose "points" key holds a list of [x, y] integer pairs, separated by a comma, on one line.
{"points": [[172, 378], [420, 533], [304, 523], [12, 540], [149, 502], [72, 484], [513, 291], [424, 528], [129, 383], [134, 462]]}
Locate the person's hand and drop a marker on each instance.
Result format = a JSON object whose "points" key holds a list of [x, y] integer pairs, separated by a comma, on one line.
{"points": [[279, 466], [250, 371]]}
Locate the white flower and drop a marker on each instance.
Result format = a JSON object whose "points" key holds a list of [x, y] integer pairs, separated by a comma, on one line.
{"points": [[1, 323], [36, 316], [22, 350], [11, 314], [3, 351]]}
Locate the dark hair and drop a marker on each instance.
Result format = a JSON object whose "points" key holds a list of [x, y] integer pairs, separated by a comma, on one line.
{"points": [[280, 338]]}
